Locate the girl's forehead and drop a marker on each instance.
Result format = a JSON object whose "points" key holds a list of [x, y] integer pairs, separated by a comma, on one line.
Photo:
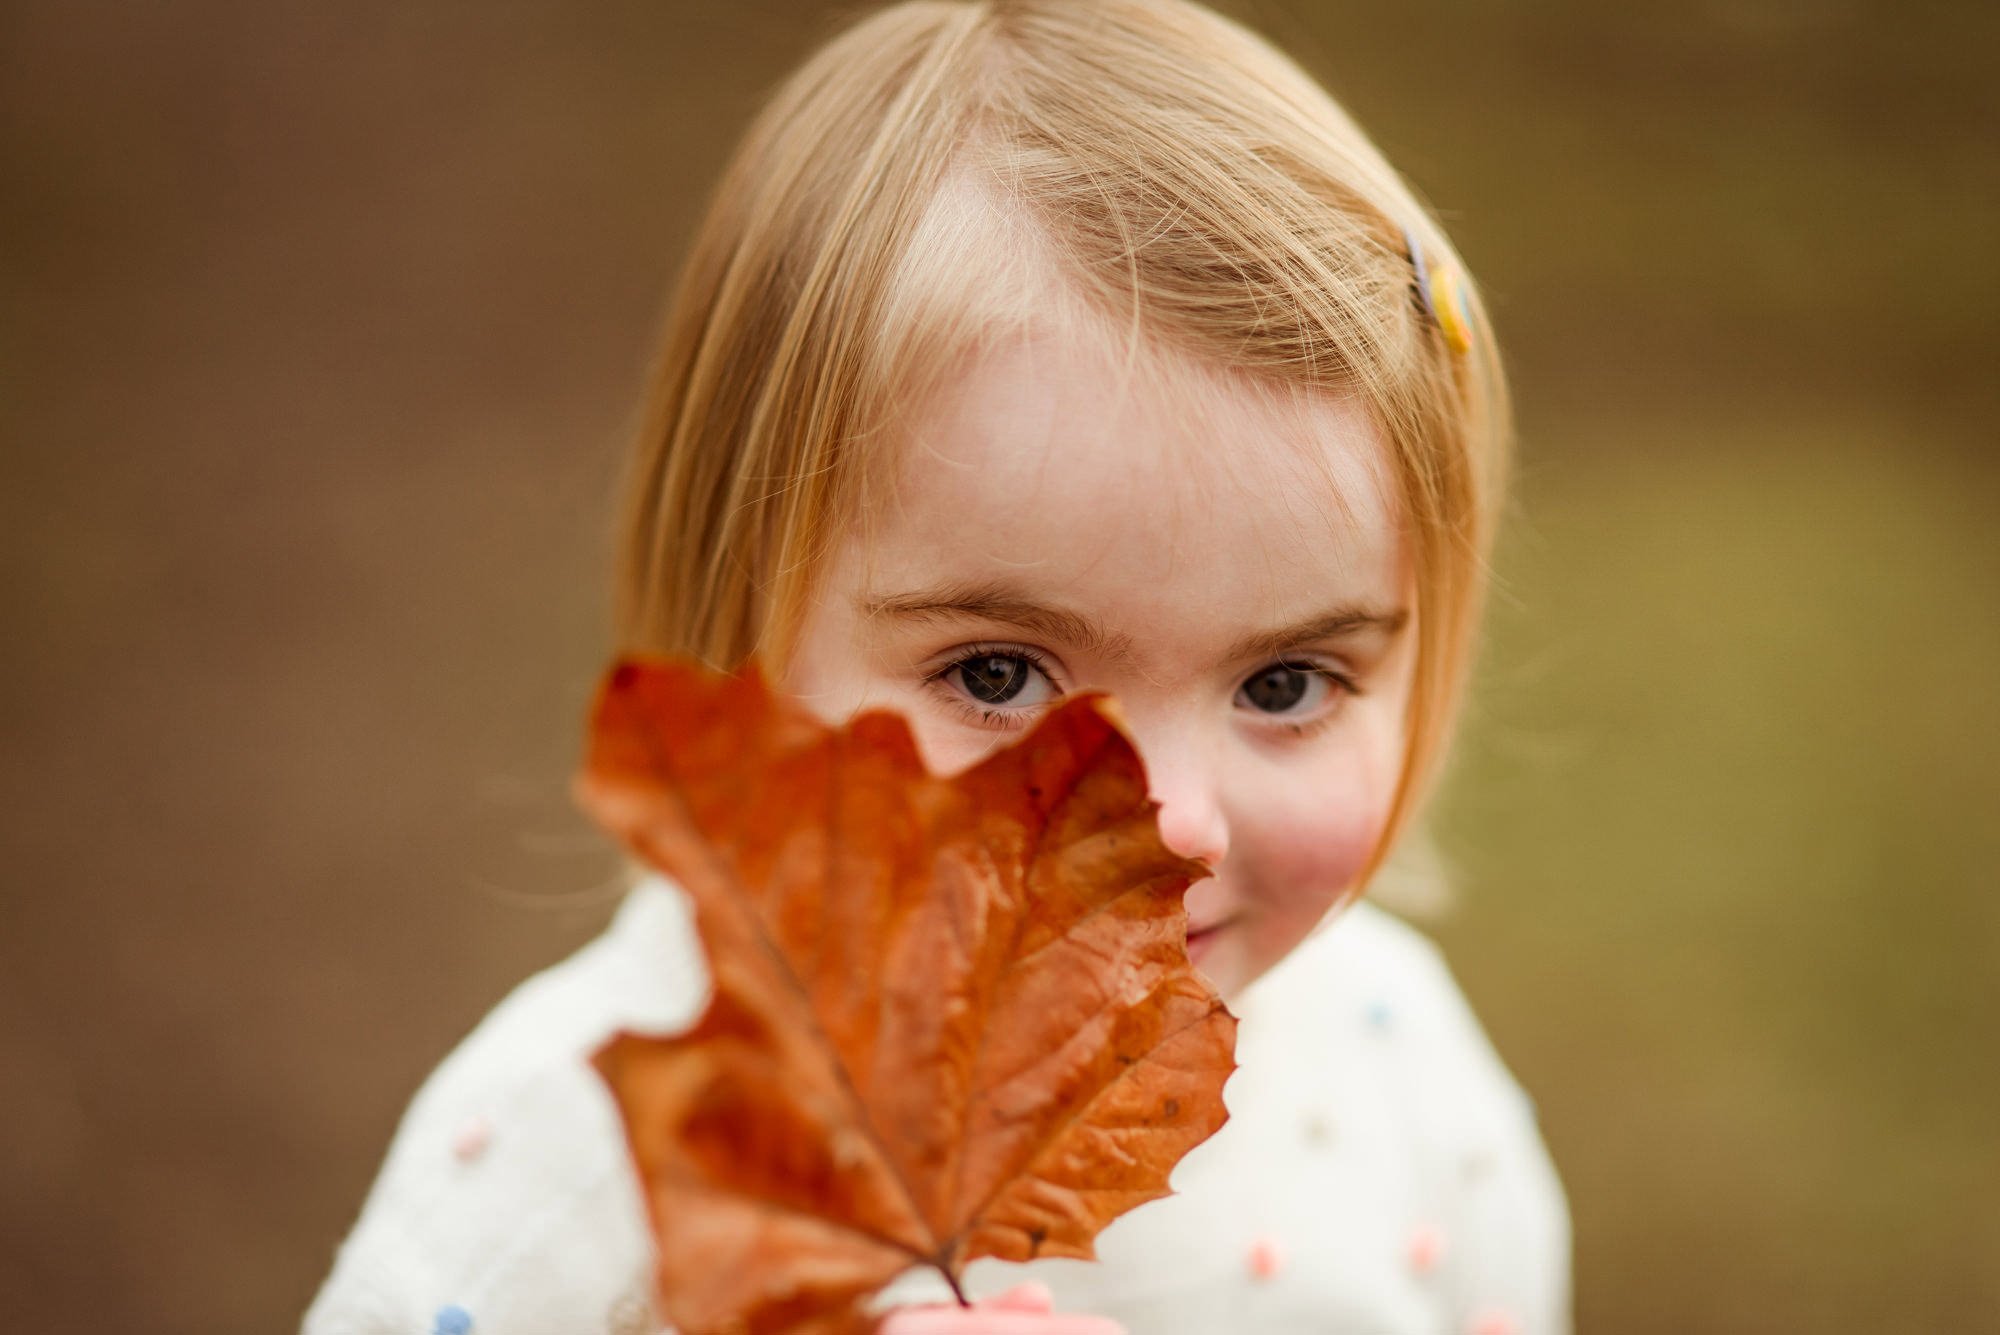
{"points": [[1140, 474], [1047, 424]]}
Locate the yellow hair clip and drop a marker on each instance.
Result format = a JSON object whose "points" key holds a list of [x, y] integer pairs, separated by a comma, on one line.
{"points": [[1442, 288]]}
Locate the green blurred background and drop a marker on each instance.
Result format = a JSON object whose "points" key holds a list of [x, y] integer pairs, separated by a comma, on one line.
{"points": [[324, 327]]}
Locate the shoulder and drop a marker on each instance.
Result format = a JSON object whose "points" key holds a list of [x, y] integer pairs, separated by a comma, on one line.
{"points": [[512, 1150], [1372, 1002], [1372, 983]]}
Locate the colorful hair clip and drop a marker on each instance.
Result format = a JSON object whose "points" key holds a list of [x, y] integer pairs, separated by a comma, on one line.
{"points": [[1442, 288]]}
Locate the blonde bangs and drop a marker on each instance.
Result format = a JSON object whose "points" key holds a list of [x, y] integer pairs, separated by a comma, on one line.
{"points": [[944, 175]]}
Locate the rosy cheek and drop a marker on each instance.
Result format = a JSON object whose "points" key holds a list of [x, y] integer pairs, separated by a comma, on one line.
{"points": [[1324, 856], [1309, 852], [947, 748]]}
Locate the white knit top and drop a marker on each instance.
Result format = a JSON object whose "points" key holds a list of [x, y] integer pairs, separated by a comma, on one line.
{"points": [[1380, 1174]]}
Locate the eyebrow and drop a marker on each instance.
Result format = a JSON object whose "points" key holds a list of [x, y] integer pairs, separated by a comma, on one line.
{"points": [[994, 602], [1340, 624]]}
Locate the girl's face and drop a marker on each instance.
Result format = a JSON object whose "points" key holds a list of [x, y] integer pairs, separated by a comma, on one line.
{"points": [[1226, 563]]}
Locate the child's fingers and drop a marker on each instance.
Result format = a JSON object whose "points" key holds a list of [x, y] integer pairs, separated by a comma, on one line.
{"points": [[1028, 1297], [946, 1320], [966, 1321]]}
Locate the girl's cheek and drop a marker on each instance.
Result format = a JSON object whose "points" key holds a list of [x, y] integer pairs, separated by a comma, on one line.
{"points": [[830, 683], [946, 746], [1311, 846], [1326, 856]]}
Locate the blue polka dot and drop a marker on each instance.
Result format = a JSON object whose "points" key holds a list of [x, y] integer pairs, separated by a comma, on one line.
{"points": [[451, 1319], [1381, 1014]]}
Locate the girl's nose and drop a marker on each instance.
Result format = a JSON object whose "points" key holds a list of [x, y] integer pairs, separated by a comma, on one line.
{"points": [[1192, 821]]}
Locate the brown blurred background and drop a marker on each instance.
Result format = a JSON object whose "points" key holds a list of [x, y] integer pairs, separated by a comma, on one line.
{"points": [[324, 324]]}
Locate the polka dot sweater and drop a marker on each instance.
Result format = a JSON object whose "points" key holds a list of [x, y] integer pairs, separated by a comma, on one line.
{"points": [[1381, 1172]]}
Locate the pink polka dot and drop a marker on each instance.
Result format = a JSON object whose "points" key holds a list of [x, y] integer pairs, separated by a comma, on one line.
{"points": [[1426, 1249], [474, 1135], [1493, 1322], [1265, 1259]]}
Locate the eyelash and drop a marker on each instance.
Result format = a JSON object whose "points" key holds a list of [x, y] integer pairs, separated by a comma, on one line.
{"points": [[1342, 684], [1007, 720], [1012, 720]]}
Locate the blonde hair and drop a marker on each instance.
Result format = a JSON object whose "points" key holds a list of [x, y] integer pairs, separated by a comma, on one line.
{"points": [[907, 194]]}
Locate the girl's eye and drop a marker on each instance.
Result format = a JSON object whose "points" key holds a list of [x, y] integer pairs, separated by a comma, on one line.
{"points": [[993, 679], [998, 685], [1289, 689]]}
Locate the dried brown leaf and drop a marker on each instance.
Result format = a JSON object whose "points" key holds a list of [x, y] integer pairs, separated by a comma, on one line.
{"points": [[951, 1017]]}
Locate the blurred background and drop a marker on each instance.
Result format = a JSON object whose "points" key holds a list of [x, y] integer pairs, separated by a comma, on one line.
{"points": [[324, 327]]}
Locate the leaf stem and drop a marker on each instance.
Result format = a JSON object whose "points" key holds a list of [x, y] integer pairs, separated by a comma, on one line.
{"points": [[952, 1280]]}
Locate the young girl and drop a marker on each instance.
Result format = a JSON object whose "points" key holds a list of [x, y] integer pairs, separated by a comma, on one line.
{"points": [[1031, 346]]}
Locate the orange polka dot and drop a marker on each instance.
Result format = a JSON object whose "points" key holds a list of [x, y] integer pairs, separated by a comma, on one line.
{"points": [[1265, 1259]]}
